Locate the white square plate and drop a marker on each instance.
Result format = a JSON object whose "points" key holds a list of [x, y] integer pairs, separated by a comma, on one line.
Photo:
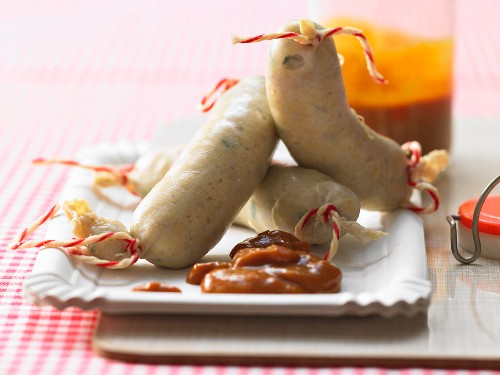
{"points": [[386, 277]]}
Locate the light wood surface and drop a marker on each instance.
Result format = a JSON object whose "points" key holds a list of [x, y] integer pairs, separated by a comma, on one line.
{"points": [[460, 329]]}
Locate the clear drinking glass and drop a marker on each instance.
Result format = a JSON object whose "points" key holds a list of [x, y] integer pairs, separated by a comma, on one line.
{"points": [[412, 42]]}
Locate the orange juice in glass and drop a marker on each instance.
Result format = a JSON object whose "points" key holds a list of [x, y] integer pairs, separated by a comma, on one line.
{"points": [[413, 48]]}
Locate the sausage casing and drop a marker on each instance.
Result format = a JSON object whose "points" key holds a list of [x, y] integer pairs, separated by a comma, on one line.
{"points": [[308, 101], [287, 193], [191, 207]]}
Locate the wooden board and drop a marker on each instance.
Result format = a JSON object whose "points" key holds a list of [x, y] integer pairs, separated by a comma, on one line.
{"points": [[280, 341]]}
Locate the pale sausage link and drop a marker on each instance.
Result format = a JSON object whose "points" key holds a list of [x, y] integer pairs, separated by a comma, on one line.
{"points": [[79, 247], [408, 173], [188, 211]]}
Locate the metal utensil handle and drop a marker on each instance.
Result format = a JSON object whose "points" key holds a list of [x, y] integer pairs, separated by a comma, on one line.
{"points": [[452, 219]]}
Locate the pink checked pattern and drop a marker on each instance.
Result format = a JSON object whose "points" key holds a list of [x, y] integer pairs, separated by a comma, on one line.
{"points": [[86, 71]]}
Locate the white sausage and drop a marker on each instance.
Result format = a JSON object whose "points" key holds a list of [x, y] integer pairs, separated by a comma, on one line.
{"points": [[190, 209], [307, 203], [287, 193], [308, 102]]}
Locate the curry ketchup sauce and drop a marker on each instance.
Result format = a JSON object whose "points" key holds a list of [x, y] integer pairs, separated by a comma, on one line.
{"points": [[156, 286], [272, 268], [271, 237]]}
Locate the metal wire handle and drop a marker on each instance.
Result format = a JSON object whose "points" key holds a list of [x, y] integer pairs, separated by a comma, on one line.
{"points": [[452, 220]]}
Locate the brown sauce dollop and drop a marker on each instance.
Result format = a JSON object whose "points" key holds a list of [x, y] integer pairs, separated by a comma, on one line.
{"points": [[156, 286], [274, 269], [199, 270], [272, 237]]}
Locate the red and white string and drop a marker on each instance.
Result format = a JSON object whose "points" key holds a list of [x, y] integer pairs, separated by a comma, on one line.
{"points": [[319, 36], [324, 213], [119, 174], [79, 246], [414, 153], [219, 89]]}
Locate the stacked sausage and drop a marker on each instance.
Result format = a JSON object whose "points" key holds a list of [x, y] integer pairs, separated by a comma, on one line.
{"points": [[342, 162]]}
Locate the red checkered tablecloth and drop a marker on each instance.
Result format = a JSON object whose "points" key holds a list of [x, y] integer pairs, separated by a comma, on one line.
{"points": [[76, 73]]}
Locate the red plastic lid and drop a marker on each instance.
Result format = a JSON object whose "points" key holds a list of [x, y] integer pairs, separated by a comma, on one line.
{"points": [[489, 218]]}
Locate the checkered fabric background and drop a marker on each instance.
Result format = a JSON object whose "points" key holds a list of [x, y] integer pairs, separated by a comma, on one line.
{"points": [[80, 72]]}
